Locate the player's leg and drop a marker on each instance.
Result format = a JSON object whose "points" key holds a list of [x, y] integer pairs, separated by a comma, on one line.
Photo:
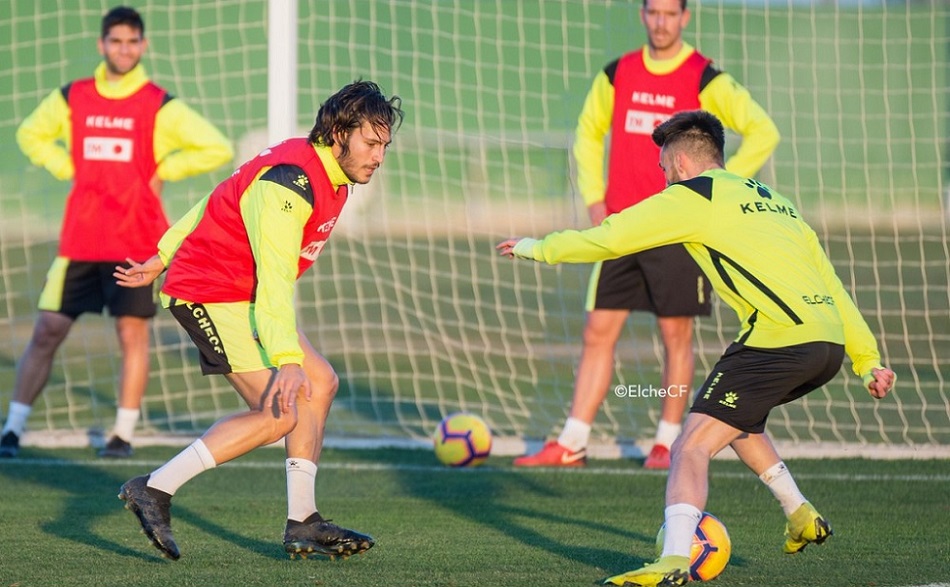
{"points": [[595, 369], [805, 525], [678, 291], [133, 309], [594, 373], [33, 368], [686, 492], [750, 382], [702, 438], [307, 531], [224, 335], [304, 443], [306, 440], [32, 372], [71, 288], [759, 454], [149, 496], [134, 339], [676, 333], [612, 292]]}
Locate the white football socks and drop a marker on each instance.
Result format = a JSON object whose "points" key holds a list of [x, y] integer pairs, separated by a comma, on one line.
{"points": [[301, 478], [681, 522], [666, 433], [187, 464], [575, 435], [779, 480], [16, 419], [125, 421]]}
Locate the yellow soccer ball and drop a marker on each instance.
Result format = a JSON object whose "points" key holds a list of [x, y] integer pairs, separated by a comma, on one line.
{"points": [[710, 551], [462, 440]]}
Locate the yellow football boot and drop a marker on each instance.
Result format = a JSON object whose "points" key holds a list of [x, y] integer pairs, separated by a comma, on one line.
{"points": [[667, 571], [805, 526]]}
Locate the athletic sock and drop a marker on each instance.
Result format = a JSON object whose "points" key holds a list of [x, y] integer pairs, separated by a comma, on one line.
{"points": [[681, 522], [125, 421], [779, 480], [666, 433], [16, 419], [575, 435], [301, 479], [184, 466]]}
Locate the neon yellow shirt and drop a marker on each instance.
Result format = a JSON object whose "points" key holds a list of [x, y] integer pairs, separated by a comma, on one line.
{"points": [[760, 256]]}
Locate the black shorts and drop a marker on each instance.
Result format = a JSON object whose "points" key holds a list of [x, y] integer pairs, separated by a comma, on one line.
{"points": [[748, 382], [665, 281], [75, 287]]}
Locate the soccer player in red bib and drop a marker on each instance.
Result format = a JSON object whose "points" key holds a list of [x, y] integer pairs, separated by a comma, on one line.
{"points": [[118, 137], [233, 262], [797, 324], [628, 99]]}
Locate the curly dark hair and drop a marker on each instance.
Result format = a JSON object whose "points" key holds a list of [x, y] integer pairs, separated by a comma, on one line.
{"points": [[346, 110]]}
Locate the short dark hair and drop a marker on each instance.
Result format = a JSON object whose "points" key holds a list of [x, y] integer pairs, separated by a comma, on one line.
{"points": [[346, 110], [697, 131], [682, 4], [122, 15]]}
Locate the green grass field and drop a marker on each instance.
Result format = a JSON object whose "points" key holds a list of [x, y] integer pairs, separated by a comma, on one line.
{"points": [[62, 525]]}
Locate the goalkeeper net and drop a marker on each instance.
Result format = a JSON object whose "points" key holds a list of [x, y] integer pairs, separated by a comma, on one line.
{"points": [[408, 300]]}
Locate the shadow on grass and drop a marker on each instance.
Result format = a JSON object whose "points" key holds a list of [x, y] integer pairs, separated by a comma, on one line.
{"points": [[486, 498], [90, 493]]}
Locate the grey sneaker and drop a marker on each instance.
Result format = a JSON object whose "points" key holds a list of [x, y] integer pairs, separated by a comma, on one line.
{"points": [[116, 448], [318, 536], [9, 445], [153, 509]]}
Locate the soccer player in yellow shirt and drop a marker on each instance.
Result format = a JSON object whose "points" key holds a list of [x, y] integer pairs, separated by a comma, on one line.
{"points": [[233, 263], [625, 103], [797, 323]]}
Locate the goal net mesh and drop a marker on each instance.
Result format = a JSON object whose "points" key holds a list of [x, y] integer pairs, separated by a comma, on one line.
{"points": [[408, 300]]}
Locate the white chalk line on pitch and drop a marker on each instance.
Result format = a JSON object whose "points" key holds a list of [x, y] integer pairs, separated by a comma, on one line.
{"points": [[632, 472]]}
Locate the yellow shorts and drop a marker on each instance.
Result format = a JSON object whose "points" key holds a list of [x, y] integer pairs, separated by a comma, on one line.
{"points": [[225, 334]]}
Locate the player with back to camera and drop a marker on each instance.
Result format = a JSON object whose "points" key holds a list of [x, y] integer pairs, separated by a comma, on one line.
{"points": [[627, 99], [118, 136], [797, 320], [233, 262]]}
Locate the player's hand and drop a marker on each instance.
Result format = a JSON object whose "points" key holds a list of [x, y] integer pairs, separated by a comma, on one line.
{"points": [[597, 212], [138, 274], [882, 382], [517, 247], [289, 381], [506, 247]]}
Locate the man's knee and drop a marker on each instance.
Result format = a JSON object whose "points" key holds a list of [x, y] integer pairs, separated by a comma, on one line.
{"points": [[703, 436], [50, 331], [327, 385], [676, 332], [603, 327]]}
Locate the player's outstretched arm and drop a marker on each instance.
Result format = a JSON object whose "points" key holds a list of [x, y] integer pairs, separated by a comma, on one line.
{"points": [[879, 382], [138, 274]]}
